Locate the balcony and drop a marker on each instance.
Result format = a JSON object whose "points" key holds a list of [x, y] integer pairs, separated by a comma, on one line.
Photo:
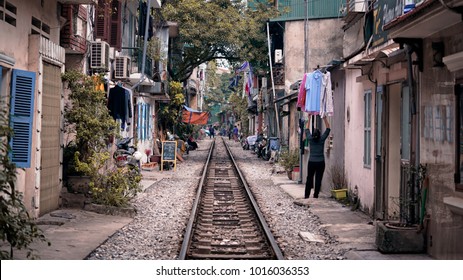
{"points": [[354, 10], [73, 33], [137, 59]]}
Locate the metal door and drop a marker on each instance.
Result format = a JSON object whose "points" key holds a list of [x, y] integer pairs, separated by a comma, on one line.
{"points": [[50, 139]]}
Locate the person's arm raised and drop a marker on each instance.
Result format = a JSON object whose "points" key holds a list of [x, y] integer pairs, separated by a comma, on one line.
{"points": [[327, 124]]}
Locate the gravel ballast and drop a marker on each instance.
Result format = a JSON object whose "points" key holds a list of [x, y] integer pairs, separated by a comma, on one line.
{"points": [[164, 207]]}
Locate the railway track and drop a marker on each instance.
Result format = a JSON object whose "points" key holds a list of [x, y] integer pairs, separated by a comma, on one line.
{"points": [[226, 222]]}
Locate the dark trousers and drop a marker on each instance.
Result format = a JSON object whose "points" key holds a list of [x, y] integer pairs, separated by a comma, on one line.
{"points": [[314, 169]]}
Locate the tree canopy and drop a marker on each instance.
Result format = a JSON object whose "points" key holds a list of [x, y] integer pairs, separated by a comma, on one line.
{"points": [[216, 29]]}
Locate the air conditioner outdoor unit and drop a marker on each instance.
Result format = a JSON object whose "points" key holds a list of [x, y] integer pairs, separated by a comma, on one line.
{"points": [[357, 6], [99, 55], [122, 67], [278, 56]]}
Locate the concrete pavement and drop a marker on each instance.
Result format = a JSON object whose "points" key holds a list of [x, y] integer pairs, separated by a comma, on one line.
{"points": [[354, 230]]}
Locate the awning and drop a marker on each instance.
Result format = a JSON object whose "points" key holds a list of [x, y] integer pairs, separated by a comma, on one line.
{"points": [[425, 20], [384, 51], [135, 78], [289, 97], [192, 116]]}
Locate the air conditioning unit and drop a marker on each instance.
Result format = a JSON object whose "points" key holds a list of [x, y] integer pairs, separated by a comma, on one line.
{"points": [[278, 56], [122, 67], [357, 6], [99, 56]]}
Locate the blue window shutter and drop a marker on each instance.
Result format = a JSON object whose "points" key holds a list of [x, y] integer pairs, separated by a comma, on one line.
{"points": [[21, 116]]}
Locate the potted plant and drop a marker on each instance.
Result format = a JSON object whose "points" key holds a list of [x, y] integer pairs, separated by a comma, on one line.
{"points": [[289, 160], [338, 181]]}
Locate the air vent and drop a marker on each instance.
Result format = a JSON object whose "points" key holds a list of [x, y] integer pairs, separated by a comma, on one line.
{"points": [[99, 56], [121, 67]]}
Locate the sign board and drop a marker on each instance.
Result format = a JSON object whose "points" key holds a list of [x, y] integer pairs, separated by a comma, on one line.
{"points": [[169, 153]]}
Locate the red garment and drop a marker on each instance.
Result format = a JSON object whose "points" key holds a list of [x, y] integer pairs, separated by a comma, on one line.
{"points": [[301, 96]]}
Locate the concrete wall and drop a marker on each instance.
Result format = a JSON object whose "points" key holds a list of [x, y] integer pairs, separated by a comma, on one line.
{"points": [[324, 44], [335, 153], [25, 50], [438, 151], [358, 175]]}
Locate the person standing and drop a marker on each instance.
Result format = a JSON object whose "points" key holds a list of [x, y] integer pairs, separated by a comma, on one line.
{"points": [[235, 133], [212, 131], [316, 164]]}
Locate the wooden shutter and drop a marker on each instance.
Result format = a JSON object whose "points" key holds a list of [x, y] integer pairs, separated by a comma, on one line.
{"points": [[102, 20], [21, 116], [108, 23], [116, 21]]}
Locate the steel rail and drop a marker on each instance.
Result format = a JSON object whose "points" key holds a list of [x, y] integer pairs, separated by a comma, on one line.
{"points": [[194, 210], [260, 216]]}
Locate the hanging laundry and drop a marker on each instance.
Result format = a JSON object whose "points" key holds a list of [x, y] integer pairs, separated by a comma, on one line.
{"points": [[315, 94], [301, 96], [117, 103], [128, 106], [313, 86], [326, 101]]}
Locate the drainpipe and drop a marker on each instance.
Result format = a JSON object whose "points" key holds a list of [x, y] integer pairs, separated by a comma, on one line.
{"points": [[413, 190], [145, 44]]}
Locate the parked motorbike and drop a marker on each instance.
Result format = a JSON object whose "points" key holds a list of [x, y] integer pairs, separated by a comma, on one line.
{"points": [[126, 154], [272, 149], [259, 146], [250, 141]]}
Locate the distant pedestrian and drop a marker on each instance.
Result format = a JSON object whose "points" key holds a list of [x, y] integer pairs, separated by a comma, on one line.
{"points": [[235, 133], [212, 132], [316, 164]]}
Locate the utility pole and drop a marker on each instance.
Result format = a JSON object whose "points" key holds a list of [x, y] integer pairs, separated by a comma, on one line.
{"points": [[273, 82], [306, 62]]}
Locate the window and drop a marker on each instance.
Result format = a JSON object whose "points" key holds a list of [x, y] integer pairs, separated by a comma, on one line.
{"points": [[108, 23], [8, 12], [459, 137], [144, 121], [78, 23], [21, 116], [38, 27], [367, 129], [379, 119]]}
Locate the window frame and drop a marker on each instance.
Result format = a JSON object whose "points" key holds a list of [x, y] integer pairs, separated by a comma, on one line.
{"points": [[367, 99]]}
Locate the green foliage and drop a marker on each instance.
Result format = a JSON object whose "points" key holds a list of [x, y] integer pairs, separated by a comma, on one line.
{"points": [[169, 114], [289, 159], [239, 107], [86, 115], [116, 187], [216, 29], [17, 228]]}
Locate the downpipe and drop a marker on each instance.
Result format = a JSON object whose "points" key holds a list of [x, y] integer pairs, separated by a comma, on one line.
{"points": [[413, 191]]}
